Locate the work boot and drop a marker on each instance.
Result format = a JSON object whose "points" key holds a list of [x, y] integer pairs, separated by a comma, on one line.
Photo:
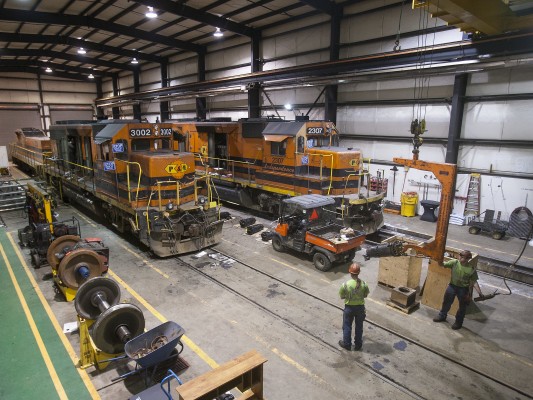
{"points": [[341, 343], [438, 318], [456, 326], [357, 348]]}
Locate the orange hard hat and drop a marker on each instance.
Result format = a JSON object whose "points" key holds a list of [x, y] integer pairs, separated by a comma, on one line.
{"points": [[354, 269]]}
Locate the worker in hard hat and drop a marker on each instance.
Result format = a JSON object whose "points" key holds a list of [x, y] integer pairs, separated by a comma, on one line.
{"points": [[463, 279], [353, 292]]}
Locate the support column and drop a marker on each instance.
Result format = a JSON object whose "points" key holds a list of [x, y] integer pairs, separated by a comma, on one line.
{"points": [[99, 94], [201, 103], [44, 111], [456, 118], [164, 105], [115, 110], [254, 106], [136, 89], [330, 101]]}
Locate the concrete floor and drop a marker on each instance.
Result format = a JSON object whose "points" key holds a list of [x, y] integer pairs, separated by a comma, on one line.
{"points": [[228, 309]]}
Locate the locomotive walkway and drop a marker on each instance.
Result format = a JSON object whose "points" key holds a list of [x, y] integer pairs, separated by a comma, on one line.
{"points": [[37, 360]]}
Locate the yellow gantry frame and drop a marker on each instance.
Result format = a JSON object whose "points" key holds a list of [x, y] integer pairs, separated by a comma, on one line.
{"points": [[43, 201]]}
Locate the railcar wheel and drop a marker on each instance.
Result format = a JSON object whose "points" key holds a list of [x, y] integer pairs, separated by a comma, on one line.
{"points": [[71, 266], [321, 262], [57, 246]]}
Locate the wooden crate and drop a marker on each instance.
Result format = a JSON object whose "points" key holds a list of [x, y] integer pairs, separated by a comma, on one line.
{"points": [[400, 271], [437, 281]]}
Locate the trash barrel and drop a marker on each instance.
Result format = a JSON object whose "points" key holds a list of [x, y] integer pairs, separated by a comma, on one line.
{"points": [[409, 200]]}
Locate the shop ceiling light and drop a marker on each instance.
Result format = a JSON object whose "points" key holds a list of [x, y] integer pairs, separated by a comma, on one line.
{"points": [[218, 33], [48, 69], [91, 76], [151, 13], [134, 61], [81, 50]]}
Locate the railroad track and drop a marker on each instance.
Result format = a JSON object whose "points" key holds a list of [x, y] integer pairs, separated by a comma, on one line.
{"points": [[493, 387]]}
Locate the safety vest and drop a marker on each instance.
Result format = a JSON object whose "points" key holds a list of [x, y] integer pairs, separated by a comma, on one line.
{"points": [[463, 275], [354, 293]]}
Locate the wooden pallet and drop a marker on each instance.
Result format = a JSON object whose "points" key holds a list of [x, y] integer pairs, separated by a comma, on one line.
{"points": [[406, 310], [391, 211]]}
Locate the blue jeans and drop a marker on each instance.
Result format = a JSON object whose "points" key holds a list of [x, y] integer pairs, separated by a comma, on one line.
{"points": [[351, 314], [449, 296]]}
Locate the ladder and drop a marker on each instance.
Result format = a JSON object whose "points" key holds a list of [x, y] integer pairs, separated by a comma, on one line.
{"points": [[473, 195]]}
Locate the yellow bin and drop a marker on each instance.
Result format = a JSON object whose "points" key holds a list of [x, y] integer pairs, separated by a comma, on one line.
{"points": [[409, 200]]}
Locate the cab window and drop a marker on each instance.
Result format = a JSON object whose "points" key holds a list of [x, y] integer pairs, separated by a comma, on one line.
{"points": [[278, 148], [140, 144]]}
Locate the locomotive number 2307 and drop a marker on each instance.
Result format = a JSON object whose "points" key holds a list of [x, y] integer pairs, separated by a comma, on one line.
{"points": [[315, 131], [141, 132]]}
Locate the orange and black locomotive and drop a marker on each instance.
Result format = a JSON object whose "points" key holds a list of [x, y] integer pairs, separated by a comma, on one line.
{"points": [[259, 162], [128, 172]]}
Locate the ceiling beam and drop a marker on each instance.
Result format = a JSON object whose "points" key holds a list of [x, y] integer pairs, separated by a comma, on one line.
{"points": [[324, 6], [68, 41], [466, 51], [68, 57], [199, 16], [66, 68], [37, 71], [84, 21]]}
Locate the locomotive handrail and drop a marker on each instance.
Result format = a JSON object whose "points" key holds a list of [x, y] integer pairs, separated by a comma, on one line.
{"points": [[229, 161], [322, 167], [26, 154], [128, 178], [158, 183]]}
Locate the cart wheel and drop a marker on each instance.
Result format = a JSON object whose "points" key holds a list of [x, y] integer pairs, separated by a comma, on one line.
{"points": [[36, 260], [474, 230], [497, 235], [276, 243], [321, 262]]}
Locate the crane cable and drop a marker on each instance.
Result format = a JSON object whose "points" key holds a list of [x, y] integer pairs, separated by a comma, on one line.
{"points": [[421, 81], [397, 46]]}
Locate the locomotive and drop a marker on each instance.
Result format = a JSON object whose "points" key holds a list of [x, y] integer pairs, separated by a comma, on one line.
{"points": [[30, 149], [128, 173], [259, 162]]}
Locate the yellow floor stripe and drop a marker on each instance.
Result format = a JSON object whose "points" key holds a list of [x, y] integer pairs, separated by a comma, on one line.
{"points": [[146, 262], [42, 348], [200, 353], [72, 354]]}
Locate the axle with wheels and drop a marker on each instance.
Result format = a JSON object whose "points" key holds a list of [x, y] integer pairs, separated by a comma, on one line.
{"points": [[115, 324], [74, 261]]}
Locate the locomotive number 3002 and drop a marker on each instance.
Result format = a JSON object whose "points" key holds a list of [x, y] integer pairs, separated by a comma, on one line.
{"points": [[140, 132]]}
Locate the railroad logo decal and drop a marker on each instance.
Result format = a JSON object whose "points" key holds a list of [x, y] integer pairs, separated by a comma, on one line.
{"points": [[203, 150], [354, 162], [109, 166], [118, 147], [176, 170]]}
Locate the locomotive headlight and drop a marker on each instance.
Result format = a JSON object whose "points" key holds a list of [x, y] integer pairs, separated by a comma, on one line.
{"points": [[170, 206], [202, 200]]}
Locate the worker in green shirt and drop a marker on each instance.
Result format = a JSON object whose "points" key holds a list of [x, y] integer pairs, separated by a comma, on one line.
{"points": [[353, 292], [463, 278]]}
